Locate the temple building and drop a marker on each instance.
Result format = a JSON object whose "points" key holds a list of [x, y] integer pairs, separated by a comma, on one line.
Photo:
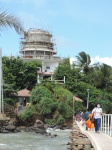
{"points": [[38, 44]]}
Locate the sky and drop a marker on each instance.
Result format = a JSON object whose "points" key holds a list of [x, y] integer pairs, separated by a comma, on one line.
{"points": [[76, 25]]}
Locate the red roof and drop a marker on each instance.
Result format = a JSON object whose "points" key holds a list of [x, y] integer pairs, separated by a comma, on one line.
{"points": [[24, 93]]}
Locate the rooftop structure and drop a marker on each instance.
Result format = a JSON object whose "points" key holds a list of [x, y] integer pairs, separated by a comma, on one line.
{"points": [[37, 44]]}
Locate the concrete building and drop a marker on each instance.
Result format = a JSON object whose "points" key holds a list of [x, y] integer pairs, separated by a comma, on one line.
{"points": [[38, 44]]}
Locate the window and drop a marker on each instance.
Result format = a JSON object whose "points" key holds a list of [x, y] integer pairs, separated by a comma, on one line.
{"points": [[47, 67]]}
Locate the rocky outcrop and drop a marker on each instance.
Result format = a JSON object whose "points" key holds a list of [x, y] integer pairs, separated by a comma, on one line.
{"points": [[79, 141], [7, 126]]}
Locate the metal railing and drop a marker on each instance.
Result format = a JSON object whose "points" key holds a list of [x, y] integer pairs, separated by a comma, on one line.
{"points": [[106, 124]]}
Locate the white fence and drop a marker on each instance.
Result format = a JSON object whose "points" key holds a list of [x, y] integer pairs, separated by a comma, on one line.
{"points": [[106, 124]]}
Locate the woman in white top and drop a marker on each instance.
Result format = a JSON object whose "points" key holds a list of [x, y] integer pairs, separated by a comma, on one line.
{"points": [[97, 112]]}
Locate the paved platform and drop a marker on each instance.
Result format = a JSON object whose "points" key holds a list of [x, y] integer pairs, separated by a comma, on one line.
{"points": [[100, 141]]}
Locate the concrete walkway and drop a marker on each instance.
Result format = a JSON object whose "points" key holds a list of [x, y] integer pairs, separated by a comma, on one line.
{"points": [[100, 141]]}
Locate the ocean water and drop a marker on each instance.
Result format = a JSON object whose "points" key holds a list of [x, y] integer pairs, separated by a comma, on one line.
{"points": [[34, 141]]}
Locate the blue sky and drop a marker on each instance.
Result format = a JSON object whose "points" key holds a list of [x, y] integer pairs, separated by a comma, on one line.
{"points": [[76, 25]]}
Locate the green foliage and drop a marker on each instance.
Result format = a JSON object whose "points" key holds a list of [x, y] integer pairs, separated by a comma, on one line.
{"points": [[38, 92], [10, 101], [52, 101], [63, 69], [63, 94], [61, 120], [84, 61], [20, 74], [53, 104], [29, 112], [50, 121], [78, 106], [8, 20], [65, 109], [46, 105]]}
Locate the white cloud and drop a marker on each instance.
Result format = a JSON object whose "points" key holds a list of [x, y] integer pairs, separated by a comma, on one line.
{"points": [[72, 60], [106, 60], [97, 59]]}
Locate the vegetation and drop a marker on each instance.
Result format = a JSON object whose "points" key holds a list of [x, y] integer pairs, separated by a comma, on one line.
{"points": [[54, 107], [17, 75], [52, 102], [8, 20]]}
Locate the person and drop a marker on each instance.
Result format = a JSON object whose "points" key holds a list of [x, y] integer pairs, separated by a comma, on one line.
{"points": [[89, 124], [86, 117], [78, 116], [97, 113], [86, 114]]}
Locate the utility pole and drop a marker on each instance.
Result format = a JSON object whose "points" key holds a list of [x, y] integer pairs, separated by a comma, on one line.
{"points": [[88, 98]]}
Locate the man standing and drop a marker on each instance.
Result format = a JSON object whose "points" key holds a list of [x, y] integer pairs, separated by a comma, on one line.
{"points": [[97, 112]]}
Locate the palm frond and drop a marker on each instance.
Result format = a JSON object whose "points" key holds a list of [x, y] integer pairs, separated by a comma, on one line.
{"points": [[7, 20]]}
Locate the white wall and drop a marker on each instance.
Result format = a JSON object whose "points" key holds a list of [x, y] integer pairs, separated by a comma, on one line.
{"points": [[52, 66]]}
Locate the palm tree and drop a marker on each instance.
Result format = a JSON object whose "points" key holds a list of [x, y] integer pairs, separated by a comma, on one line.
{"points": [[103, 76], [7, 20], [84, 61]]}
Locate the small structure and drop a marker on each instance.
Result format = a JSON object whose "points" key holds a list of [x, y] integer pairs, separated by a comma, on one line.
{"points": [[23, 98], [75, 98]]}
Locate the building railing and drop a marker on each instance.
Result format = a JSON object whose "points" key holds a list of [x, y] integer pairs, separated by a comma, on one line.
{"points": [[106, 124], [42, 57]]}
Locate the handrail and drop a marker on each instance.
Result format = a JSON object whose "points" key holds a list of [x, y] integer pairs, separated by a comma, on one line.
{"points": [[106, 124]]}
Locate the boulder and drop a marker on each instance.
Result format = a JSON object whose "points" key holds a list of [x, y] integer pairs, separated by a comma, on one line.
{"points": [[84, 141], [10, 127], [41, 131], [5, 131], [39, 124]]}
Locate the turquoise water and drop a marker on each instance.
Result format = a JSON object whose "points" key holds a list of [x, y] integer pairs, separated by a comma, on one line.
{"points": [[34, 141]]}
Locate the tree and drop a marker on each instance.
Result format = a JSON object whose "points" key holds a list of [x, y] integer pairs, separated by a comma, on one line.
{"points": [[38, 93], [84, 61], [71, 74], [64, 69], [8, 20], [20, 74], [103, 76]]}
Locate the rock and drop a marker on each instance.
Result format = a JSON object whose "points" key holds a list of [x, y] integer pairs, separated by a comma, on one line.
{"points": [[8, 118], [48, 134], [17, 130], [39, 122], [87, 147], [84, 141], [54, 135], [46, 126], [78, 140], [70, 143], [5, 131], [11, 122], [10, 127], [39, 125], [29, 129], [42, 131]]}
